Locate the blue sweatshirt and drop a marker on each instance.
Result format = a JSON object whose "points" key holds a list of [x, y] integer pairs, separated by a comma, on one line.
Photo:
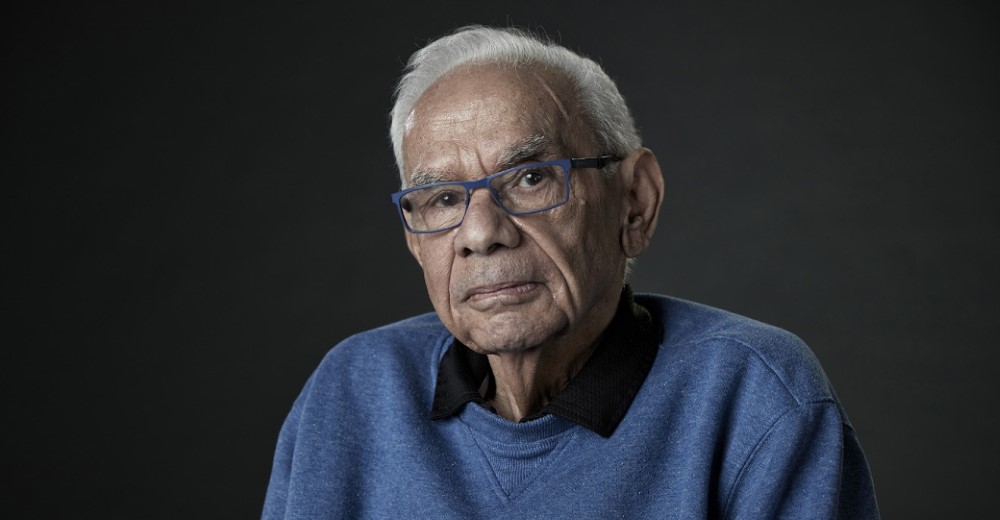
{"points": [[736, 419]]}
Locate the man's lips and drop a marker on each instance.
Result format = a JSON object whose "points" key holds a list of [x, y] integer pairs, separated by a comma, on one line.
{"points": [[499, 290]]}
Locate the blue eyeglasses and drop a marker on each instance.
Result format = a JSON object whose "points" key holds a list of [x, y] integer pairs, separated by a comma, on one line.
{"points": [[522, 190]]}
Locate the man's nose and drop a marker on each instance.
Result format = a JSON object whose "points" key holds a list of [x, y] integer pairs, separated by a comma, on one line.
{"points": [[486, 227]]}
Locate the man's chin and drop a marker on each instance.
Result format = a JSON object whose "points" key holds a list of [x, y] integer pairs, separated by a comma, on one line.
{"points": [[512, 334], [501, 348]]}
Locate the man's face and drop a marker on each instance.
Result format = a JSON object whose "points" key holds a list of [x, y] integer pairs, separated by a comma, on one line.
{"points": [[502, 283]]}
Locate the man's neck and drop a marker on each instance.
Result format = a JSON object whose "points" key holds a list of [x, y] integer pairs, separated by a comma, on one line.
{"points": [[527, 380]]}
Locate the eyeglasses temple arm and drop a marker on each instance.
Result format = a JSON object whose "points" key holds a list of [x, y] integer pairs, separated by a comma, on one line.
{"points": [[594, 162]]}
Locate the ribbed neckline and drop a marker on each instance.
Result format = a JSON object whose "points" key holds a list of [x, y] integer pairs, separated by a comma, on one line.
{"points": [[484, 422]]}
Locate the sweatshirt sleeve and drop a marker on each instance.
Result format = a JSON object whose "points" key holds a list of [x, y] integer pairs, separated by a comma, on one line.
{"points": [[276, 499], [809, 465]]}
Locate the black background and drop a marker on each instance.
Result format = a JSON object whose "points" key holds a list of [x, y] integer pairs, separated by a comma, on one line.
{"points": [[196, 208]]}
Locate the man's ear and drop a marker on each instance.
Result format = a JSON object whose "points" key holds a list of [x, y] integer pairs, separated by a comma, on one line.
{"points": [[414, 246], [643, 191]]}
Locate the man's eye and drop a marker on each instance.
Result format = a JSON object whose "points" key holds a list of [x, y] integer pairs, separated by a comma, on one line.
{"points": [[445, 199], [531, 178]]}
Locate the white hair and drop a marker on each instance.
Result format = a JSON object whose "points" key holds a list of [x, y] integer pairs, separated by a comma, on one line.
{"points": [[603, 107]]}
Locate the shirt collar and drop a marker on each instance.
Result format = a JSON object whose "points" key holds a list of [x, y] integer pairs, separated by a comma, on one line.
{"points": [[597, 398]]}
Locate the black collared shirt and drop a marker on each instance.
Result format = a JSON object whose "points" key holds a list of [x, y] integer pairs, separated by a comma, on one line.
{"points": [[596, 398]]}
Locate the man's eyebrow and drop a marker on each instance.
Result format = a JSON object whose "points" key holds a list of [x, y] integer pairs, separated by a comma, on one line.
{"points": [[421, 177], [528, 148]]}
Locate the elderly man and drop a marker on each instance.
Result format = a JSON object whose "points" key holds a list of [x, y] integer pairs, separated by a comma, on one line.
{"points": [[541, 386]]}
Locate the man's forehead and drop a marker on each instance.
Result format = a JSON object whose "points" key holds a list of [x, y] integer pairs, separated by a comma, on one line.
{"points": [[499, 114]]}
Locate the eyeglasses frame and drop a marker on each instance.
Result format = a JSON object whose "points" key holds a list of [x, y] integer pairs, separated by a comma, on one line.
{"points": [[566, 164]]}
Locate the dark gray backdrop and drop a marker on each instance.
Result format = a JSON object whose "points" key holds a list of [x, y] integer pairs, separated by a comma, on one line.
{"points": [[196, 208]]}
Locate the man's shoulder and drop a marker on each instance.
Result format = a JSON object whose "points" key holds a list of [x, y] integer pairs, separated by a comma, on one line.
{"points": [[688, 321], [415, 337], [695, 330], [415, 327], [385, 373]]}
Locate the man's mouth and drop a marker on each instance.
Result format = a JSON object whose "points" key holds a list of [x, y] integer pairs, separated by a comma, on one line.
{"points": [[505, 290]]}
